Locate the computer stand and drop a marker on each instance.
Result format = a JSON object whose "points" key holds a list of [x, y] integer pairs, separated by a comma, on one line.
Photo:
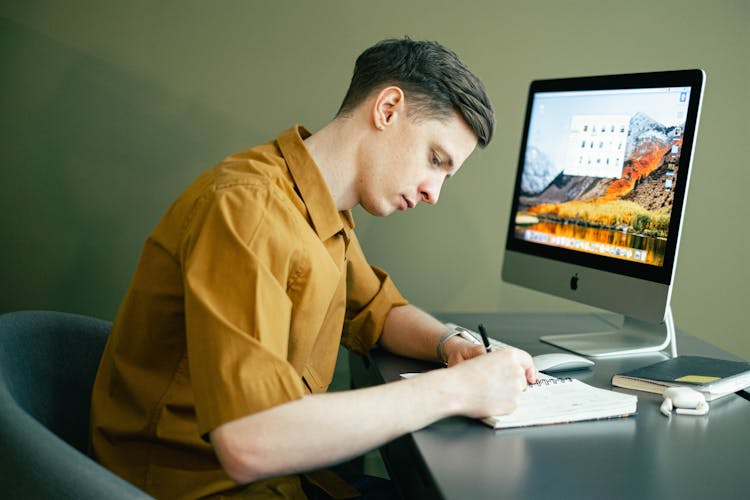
{"points": [[634, 337]]}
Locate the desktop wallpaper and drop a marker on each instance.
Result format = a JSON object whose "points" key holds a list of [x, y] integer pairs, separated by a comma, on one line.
{"points": [[600, 172]]}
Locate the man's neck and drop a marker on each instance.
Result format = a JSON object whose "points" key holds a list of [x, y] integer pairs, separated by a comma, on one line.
{"points": [[333, 148]]}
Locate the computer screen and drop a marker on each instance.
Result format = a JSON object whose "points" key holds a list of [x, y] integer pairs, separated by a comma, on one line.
{"points": [[600, 190]]}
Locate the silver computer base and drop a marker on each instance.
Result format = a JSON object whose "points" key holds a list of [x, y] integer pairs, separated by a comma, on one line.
{"points": [[635, 337]]}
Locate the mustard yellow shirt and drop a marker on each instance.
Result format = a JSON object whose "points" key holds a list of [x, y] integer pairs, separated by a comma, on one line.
{"points": [[242, 294]]}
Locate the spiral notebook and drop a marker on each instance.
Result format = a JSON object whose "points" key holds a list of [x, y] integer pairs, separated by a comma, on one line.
{"points": [[562, 400]]}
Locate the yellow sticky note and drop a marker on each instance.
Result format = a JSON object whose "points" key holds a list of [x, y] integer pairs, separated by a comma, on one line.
{"points": [[697, 379]]}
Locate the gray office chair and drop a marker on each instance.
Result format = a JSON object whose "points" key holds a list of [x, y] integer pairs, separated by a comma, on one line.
{"points": [[48, 361]]}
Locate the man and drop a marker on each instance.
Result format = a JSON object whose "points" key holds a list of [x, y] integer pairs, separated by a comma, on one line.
{"points": [[214, 376]]}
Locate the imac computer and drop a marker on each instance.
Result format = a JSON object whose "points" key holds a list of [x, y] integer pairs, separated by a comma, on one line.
{"points": [[599, 199]]}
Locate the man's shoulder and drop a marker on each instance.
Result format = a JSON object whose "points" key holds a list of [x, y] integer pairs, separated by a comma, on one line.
{"points": [[255, 175], [254, 185], [251, 188], [253, 166]]}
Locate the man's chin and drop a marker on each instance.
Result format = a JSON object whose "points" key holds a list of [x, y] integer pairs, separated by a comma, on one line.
{"points": [[381, 211]]}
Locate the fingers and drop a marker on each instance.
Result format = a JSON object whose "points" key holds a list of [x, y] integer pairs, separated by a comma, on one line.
{"points": [[532, 375], [504, 375], [524, 362], [527, 363]]}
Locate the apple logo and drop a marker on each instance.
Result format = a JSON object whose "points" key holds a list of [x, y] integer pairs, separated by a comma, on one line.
{"points": [[574, 282]]}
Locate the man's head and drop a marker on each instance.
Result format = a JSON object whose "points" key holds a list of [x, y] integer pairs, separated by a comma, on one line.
{"points": [[411, 117], [435, 82]]}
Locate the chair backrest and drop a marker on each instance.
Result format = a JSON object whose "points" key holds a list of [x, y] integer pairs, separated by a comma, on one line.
{"points": [[48, 362]]}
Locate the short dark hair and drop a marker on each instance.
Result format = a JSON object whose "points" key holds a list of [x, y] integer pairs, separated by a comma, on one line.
{"points": [[434, 79]]}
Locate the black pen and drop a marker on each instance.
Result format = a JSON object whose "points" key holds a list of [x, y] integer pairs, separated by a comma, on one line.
{"points": [[486, 341]]}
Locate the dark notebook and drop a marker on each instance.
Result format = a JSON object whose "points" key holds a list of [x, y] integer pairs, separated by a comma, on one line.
{"points": [[711, 376]]}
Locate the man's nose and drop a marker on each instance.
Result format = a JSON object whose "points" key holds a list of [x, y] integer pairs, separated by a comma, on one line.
{"points": [[430, 191]]}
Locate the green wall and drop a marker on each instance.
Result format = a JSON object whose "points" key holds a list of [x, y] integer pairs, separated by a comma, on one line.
{"points": [[109, 109]]}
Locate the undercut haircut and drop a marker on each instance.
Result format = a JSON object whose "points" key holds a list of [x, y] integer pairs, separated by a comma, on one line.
{"points": [[434, 80]]}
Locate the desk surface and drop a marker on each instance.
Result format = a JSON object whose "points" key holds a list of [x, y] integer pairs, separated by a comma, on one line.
{"points": [[645, 456]]}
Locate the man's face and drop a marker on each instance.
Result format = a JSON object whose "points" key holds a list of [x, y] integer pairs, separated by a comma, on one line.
{"points": [[409, 161]]}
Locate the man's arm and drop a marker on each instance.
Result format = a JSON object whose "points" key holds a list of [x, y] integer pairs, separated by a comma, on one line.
{"points": [[411, 332], [322, 429]]}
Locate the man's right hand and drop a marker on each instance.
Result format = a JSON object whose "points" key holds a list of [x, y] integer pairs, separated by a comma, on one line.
{"points": [[491, 383]]}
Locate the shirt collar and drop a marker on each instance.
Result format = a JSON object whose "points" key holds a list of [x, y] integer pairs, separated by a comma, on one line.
{"points": [[326, 219]]}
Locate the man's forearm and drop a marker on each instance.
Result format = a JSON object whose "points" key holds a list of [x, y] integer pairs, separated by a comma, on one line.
{"points": [[413, 333], [322, 429]]}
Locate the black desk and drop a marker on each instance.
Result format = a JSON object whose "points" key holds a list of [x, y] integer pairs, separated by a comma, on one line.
{"points": [[646, 456]]}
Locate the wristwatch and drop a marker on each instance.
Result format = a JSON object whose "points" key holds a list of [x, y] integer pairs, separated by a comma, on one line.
{"points": [[450, 333]]}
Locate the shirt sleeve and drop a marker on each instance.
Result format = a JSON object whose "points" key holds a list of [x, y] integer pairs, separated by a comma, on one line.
{"points": [[236, 308], [370, 295]]}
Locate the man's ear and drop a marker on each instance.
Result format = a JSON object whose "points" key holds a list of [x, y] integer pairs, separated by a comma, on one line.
{"points": [[388, 107]]}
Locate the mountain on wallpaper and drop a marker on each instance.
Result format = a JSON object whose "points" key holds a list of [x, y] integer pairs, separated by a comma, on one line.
{"points": [[640, 201]]}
